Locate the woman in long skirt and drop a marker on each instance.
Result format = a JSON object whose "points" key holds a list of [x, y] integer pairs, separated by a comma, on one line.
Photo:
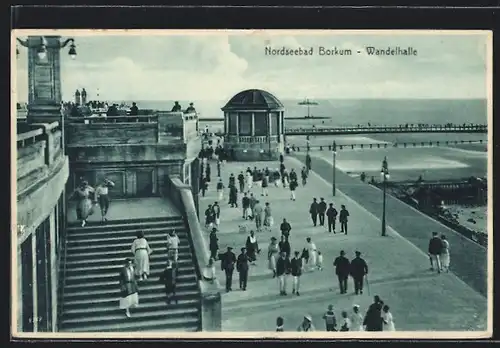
{"points": [[85, 204], [272, 255], [312, 253], [128, 288], [141, 251], [387, 321], [252, 247], [268, 217], [445, 254]]}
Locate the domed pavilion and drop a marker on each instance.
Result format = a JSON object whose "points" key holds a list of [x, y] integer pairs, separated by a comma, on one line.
{"points": [[253, 126]]}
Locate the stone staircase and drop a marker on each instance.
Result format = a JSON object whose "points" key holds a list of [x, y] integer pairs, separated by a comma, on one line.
{"points": [[91, 290]]}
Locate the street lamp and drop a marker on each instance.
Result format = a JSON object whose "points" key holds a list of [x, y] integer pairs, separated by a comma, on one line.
{"points": [[41, 46], [334, 148], [384, 173]]}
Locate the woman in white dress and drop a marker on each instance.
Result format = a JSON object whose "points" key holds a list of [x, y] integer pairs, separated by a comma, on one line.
{"points": [[249, 180], [387, 320], [311, 247], [356, 319], [141, 251], [85, 205], [445, 254], [268, 217]]}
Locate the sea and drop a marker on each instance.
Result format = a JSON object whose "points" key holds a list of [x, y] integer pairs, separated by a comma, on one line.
{"points": [[357, 111]]}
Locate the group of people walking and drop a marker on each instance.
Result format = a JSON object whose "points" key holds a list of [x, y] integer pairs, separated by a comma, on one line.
{"points": [[319, 210], [439, 253], [88, 197], [378, 317], [137, 269]]}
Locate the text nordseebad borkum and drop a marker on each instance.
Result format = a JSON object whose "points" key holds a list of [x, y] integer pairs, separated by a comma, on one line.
{"points": [[336, 51]]}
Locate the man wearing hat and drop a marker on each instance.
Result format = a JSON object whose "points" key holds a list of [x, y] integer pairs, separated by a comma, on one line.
{"points": [[330, 320], [283, 267], [128, 287], [242, 268], [373, 318], [359, 269], [306, 324], [342, 269], [322, 211], [228, 259]]}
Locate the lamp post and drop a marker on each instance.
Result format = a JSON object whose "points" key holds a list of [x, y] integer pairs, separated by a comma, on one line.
{"points": [[334, 148], [384, 173], [44, 72]]}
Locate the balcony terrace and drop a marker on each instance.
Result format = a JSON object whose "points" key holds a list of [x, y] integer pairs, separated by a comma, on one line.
{"points": [[42, 171]]}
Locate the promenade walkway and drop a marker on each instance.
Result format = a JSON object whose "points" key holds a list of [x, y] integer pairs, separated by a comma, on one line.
{"points": [[419, 299], [468, 259]]}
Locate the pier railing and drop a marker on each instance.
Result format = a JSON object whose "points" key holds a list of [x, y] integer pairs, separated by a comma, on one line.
{"points": [[366, 146], [465, 128]]}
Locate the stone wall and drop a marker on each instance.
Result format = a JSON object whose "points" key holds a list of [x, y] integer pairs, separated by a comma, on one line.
{"points": [[111, 133], [255, 151]]}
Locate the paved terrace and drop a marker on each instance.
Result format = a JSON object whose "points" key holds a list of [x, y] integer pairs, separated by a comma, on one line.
{"points": [[132, 208], [419, 298]]}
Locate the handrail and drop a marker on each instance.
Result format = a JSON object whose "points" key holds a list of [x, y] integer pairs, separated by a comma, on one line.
{"points": [[31, 134]]}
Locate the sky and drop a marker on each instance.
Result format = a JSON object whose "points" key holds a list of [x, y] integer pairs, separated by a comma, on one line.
{"points": [[215, 66]]}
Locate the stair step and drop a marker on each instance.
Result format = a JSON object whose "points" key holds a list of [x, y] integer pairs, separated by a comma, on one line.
{"points": [[157, 256], [111, 306], [123, 226], [125, 221], [113, 278], [122, 252], [113, 270], [75, 297], [123, 245], [175, 324], [157, 237], [129, 233], [105, 283], [119, 317]]}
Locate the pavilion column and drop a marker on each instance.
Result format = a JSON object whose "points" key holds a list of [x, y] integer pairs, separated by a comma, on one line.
{"points": [[253, 124], [226, 120], [269, 125], [237, 127]]}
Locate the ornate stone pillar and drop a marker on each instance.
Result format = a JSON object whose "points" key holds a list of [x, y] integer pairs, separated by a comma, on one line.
{"points": [[44, 76]]}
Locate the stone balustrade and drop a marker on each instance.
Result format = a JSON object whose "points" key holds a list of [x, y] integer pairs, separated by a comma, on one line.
{"points": [[39, 150], [42, 172]]}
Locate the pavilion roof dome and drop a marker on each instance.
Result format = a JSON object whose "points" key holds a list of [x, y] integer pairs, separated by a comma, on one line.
{"points": [[252, 99]]}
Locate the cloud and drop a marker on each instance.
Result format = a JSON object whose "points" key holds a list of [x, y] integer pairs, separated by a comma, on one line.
{"points": [[209, 66]]}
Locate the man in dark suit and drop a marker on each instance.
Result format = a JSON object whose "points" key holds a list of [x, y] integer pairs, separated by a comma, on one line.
{"points": [[285, 228], [344, 213], [283, 268], [373, 318], [242, 268], [296, 270], [228, 259], [322, 211], [331, 215], [313, 210], [342, 268], [359, 269]]}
